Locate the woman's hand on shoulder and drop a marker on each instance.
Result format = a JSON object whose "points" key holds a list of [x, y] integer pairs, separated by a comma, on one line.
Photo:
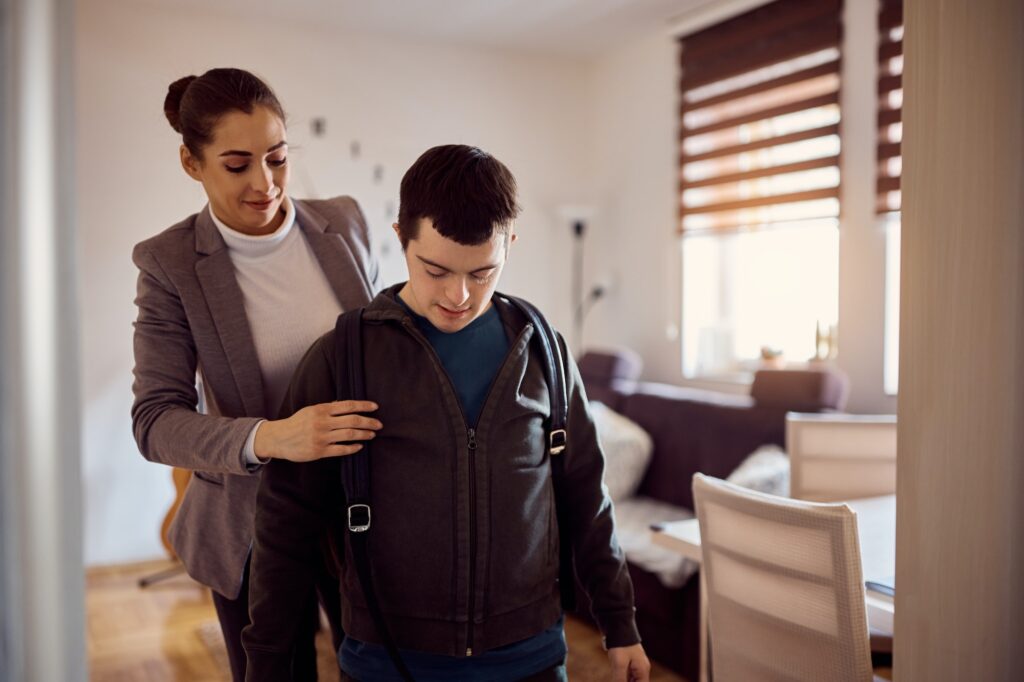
{"points": [[318, 431]]}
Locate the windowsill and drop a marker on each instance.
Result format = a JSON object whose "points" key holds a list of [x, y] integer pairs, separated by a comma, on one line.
{"points": [[738, 377], [735, 382], [739, 380]]}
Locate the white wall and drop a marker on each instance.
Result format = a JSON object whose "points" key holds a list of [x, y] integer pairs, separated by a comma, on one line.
{"points": [[634, 91], [861, 235], [633, 243], [397, 98]]}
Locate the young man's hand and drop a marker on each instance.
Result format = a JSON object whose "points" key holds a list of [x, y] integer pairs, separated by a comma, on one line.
{"points": [[629, 664], [315, 432]]}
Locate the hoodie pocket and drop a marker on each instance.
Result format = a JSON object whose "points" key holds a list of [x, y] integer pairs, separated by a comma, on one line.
{"points": [[524, 554]]}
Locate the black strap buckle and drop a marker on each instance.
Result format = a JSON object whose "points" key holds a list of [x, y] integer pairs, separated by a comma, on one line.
{"points": [[359, 518], [557, 440]]}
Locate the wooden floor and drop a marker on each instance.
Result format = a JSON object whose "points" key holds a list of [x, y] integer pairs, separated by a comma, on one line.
{"points": [[168, 633], [152, 634]]}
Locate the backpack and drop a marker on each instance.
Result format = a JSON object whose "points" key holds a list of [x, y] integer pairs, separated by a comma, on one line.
{"points": [[355, 469]]}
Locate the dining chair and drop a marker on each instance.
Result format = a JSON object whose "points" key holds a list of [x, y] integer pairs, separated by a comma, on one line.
{"points": [[835, 457], [785, 595]]}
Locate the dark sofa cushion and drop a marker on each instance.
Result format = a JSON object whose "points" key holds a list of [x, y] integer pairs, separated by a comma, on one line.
{"points": [[800, 390], [612, 395], [609, 375], [696, 430], [603, 367]]}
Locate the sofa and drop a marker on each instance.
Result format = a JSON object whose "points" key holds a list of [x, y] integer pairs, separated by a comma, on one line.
{"points": [[694, 430]]}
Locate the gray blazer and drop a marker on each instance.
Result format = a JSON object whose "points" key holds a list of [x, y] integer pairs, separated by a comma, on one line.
{"points": [[191, 319]]}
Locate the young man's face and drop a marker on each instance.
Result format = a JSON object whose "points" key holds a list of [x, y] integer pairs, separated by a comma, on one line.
{"points": [[451, 284]]}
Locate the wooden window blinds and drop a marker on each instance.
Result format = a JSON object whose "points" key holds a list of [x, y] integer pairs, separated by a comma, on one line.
{"points": [[890, 104], [759, 118]]}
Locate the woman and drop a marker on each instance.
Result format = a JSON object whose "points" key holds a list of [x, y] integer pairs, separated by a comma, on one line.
{"points": [[233, 296]]}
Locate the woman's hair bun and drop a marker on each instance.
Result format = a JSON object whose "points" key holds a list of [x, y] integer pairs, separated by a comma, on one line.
{"points": [[194, 105], [172, 103]]}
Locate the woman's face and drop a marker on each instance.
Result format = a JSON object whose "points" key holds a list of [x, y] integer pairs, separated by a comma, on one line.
{"points": [[244, 170]]}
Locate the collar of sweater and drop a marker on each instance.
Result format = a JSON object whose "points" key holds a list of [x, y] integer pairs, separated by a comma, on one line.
{"points": [[256, 246]]}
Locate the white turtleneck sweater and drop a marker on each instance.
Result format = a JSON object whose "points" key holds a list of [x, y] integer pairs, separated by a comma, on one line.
{"points": [[288, 301]]}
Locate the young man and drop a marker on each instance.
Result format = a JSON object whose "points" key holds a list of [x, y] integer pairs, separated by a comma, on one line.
{"points": [[464, 544]]}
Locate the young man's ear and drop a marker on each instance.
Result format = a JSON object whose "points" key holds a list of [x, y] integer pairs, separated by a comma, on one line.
{"points": [[190, 164], [398, 233]]}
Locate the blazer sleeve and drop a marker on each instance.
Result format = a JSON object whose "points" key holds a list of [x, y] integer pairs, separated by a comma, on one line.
{"points": [[166, 425], [599, 560]]}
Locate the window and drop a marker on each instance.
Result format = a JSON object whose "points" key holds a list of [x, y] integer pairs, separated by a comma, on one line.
{"points": [[759, 186], [890, 167]]}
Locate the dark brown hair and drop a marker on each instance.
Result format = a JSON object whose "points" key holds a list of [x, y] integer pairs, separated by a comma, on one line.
{"points": [[194, 104], [467, 193]]}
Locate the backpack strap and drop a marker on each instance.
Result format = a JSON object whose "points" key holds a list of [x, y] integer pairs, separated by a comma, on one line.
{"points": [[554, 371], [350, 384]]}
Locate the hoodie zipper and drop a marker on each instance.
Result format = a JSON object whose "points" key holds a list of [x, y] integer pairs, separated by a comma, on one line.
{"points": [[471, 444]]}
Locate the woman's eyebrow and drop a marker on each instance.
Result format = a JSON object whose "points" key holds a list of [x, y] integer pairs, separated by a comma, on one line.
{"points": [[240, 152]]}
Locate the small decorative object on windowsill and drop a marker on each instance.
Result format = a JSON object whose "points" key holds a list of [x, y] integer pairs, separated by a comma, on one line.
{"points": [[826, 342], [772, 358]]}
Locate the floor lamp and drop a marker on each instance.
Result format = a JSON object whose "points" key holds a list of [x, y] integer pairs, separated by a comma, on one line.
{"points": [[578, 230], [581, 303]]}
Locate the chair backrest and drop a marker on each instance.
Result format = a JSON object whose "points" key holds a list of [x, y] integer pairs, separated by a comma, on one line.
{"points": [[834, 457], [784, 589]]}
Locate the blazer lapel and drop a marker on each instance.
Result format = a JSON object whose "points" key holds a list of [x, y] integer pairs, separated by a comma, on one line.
{"points": [[346, 276], [216, 274]]}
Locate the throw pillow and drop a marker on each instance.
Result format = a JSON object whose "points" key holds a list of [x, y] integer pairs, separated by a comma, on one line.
{"points": [[627, 451], [765, 470]]}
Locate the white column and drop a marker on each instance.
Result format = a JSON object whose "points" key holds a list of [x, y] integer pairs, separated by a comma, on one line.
{"points": [[861, 236], [40, 525], [960, 482]]}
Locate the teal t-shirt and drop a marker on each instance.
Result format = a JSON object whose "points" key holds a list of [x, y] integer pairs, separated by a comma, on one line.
{"points": [[471, 356]]}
